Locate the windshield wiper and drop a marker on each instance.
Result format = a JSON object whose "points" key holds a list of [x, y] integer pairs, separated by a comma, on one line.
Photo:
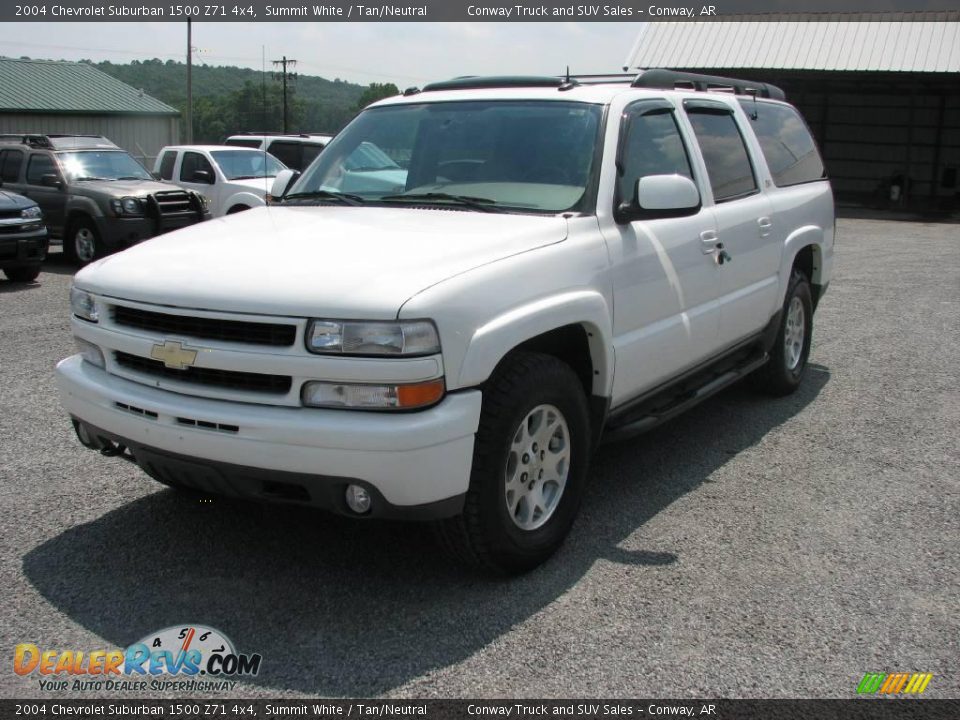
{"points": [[132, 177], [345, 198], [477, 203], [91, 177]]}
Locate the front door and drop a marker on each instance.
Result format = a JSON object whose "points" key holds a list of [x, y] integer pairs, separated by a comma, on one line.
{"points": [[51, 199], [665, 287]]}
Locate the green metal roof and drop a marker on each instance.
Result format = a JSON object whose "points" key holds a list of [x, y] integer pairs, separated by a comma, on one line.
{"points": [[49, 86]]}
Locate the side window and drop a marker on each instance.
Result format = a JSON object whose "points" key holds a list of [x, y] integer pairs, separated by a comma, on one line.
{"points": [[653, 146], [787, 145], [310, 152], [39, 166], [724, 152], [289, 153], [10, 162], [167, 162], [193, 163]]}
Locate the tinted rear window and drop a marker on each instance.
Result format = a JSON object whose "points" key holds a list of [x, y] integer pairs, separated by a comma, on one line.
{"points": [[243, 142], [724, 153], [10, 162], [167, 163], [786, 142]]}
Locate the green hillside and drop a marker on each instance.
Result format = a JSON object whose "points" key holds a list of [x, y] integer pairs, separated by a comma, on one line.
{"points": [[231, 99]]}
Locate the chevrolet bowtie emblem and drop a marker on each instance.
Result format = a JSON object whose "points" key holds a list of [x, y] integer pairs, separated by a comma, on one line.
{"points": [[174, 355]]}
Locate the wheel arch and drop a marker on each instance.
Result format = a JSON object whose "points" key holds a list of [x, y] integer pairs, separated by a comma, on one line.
{"points": [[804, 252], [573, 327]]}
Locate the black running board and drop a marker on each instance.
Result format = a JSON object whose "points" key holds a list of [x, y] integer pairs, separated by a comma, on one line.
{"points": [[666, 405]]}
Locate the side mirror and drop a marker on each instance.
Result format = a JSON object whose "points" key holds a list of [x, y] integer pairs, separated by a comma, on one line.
{"points": [[203, 176], [51, 180], [282, 183], [661, 196]]}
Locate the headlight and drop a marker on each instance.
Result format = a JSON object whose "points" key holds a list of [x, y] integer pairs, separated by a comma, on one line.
{"points": [[90, 352], [127, 206], [31, 213], [417, 337], [204, 203], [372, 397], [84, 305]]}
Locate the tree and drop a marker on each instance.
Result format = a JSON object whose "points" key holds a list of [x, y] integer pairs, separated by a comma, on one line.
{"points": [[376, 91]]}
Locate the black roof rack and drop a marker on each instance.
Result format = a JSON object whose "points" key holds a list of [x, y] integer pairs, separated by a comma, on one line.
{"points": [[477, 82], [37, 140], [675, 80], [654, 78]]}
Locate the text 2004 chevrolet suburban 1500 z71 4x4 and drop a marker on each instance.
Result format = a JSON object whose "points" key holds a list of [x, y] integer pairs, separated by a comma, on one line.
{"points": [[556, 260]]}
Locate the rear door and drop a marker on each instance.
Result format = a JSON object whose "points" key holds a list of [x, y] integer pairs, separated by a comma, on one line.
{"points": [[749, 244], [666, 314]]}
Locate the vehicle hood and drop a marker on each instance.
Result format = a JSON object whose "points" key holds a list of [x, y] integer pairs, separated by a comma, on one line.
{"points": [[121, 188], [12, 201], [260, 186], [315, 261]]}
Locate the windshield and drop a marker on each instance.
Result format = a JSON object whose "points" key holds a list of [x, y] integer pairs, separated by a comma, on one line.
{"points": [[525, 156], [243, 164], [102, 165]]}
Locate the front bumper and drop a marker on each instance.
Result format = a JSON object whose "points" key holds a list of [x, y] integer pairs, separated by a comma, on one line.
{"points": [[417, 465], [24, 248], [122, 232]]}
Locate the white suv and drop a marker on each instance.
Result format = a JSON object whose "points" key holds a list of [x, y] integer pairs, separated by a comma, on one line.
{"points": [[231, 179], [565, 259], [295, 151]]}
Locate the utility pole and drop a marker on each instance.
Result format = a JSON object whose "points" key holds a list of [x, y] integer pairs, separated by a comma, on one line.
{"points": [[189, 80], [284, 63]]}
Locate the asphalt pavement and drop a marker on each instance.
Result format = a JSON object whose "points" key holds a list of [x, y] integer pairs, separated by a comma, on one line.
{"points": [[752, 548]]}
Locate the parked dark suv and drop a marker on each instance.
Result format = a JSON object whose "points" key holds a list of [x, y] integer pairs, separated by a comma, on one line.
{"points": [[23, 237], [94, 196]]}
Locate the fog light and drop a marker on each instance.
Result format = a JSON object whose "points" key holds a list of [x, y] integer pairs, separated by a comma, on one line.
{"points": [[358, 499], [90, 352]]}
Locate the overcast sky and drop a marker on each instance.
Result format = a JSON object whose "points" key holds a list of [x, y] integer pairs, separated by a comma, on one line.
{"points": [[402, 53]]}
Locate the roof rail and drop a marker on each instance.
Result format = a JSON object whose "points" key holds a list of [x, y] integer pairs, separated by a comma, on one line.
{"points": [[475, 82], [654, 78], [676, 80], [38, 140]]}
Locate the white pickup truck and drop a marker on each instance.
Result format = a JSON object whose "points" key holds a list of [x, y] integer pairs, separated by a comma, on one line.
{"points": [[231, 179], [564, 259]]}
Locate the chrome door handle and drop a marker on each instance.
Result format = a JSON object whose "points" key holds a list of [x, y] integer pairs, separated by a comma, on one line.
{"points": [[764, 224], [710, 241]]}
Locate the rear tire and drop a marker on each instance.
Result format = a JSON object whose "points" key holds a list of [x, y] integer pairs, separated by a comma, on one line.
{"points": [[529, 468], [82, 243], [25, 274], [788, 358]]}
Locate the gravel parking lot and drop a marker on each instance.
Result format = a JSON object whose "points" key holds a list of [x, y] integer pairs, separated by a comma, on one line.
{"points": [[753, 548]]}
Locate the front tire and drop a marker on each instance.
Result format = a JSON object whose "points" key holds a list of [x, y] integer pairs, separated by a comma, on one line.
{"points": [[788, 358], [529, 467], [83, 244], [25, 274]]}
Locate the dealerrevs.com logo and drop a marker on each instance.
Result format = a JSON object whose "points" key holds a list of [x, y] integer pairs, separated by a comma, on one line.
{"points": [[179, 658]]}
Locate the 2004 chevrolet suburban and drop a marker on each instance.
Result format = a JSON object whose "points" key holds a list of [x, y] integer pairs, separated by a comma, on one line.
{"points": [[547, 262]]}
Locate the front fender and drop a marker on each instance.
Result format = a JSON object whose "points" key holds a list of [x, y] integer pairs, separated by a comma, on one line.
{"points": [[77, 204], [493, 340], [249, 199]]}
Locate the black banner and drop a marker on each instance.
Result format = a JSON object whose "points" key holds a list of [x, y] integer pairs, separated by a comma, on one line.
{"points": [[853, 709], [452, 10]]}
